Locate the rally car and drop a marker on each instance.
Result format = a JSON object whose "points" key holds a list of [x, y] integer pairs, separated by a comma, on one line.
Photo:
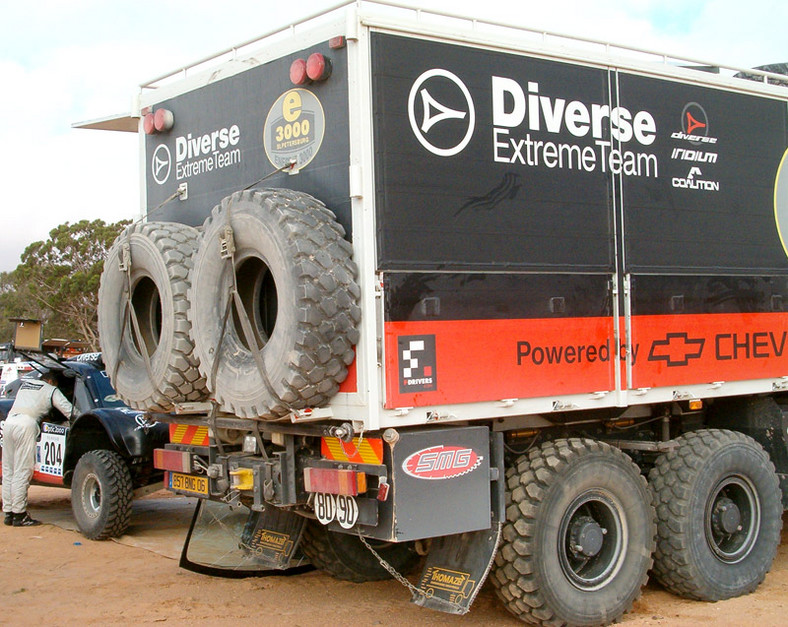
{"points": [[103, 453]]}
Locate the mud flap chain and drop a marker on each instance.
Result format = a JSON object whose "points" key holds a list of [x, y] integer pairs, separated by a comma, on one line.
{"points": [[416, 592]]}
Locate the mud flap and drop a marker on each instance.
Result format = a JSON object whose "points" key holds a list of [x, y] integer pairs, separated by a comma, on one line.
{"points": [[458, 565], [227, 541]]}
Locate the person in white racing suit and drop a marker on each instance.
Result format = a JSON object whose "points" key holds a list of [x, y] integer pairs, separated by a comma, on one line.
{"points": [[33, 401]]}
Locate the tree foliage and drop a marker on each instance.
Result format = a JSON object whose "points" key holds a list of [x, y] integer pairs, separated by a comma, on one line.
{"points": [[58, 280]]}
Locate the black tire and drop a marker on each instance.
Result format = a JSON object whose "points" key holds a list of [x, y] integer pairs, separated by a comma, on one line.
{"points": [[714, 482], [161, 262], [296, 279], [561, 496], [101, 495], [345, 557]]}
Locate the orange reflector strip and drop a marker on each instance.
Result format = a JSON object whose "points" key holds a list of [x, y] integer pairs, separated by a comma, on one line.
{"points": [[189, 434], [335, 481], [359, 451]]}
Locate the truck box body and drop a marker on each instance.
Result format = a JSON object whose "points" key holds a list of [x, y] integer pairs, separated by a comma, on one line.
{"points": [[535, 231]]}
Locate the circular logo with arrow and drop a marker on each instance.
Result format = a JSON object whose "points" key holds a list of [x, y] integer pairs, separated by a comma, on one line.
{"points": [[441, 112]]}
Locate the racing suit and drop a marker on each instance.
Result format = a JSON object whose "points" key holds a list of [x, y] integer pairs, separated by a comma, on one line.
{"points": [[33, 401]]}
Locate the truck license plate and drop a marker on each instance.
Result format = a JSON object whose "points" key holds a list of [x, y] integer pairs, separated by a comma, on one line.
{"points": [[189, 483], [343, 509]]}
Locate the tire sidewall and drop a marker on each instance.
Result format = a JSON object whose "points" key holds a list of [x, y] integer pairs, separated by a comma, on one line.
{"points": [[594, 472], [147, 264], [731, 460], [256, 237], [92, 465]]}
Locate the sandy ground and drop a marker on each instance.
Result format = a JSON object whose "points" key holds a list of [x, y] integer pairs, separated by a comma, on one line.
{"points": [[54, 576]]}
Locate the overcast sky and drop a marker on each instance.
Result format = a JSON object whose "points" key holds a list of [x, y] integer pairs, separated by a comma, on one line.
{"points": [[66, 61]]}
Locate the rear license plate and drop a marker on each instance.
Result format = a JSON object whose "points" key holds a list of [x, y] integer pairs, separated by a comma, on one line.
{"points": [[189, 483]]}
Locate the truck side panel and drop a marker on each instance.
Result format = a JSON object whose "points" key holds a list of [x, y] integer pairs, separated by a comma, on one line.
{"points": [[526, 197], [231, 133]]}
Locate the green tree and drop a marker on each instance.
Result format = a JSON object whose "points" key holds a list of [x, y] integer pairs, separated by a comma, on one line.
{"points": [[58, 280]]}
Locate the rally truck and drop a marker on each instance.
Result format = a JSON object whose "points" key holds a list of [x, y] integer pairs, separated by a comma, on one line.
{"points": [[103, 452], [414, 290]]}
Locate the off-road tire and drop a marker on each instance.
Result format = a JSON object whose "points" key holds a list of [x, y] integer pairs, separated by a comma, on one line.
{"points": [[553, 493], [101, 495], [708, 470], [343, 556], [296, 278], [161, 263]]}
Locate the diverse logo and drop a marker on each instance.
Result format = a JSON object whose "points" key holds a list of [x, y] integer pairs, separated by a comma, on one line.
{"points": [[417, 363], [161, 164], [294, 129], [694, 125], [441, 112], [695, 130], [441, 462]]}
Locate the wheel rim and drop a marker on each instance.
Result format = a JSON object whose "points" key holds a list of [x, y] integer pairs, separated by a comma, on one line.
{"points": [[91, 496], [732, 519], [592, 537]]}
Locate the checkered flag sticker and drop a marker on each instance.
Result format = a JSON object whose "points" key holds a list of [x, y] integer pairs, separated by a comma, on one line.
{"points": [[417, 363]]}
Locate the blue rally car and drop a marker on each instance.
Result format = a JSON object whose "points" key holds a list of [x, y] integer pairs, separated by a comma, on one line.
{"points": [[103, 453]]}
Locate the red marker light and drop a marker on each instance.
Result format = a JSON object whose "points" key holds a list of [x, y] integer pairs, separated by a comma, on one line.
{"points": [[148, 125], [163, 120], [318, 68], [298, 73]]}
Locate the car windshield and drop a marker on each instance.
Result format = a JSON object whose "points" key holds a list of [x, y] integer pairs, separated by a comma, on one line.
{"points": [[106, 392]]}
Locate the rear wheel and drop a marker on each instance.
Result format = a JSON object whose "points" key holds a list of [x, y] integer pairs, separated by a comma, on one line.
{"points": [[719, 511], [345, 557], [578, 536], [101, 495]]}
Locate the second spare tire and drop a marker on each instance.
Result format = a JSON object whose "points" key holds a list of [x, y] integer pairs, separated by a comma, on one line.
{"points": [[296, 281], [154, 260]]}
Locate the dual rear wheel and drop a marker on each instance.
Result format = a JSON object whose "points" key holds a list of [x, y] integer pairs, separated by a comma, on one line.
{"points": [[584, 527]]}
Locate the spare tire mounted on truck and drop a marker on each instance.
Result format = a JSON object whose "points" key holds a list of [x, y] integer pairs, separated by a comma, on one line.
{"points": [[295, 281]]}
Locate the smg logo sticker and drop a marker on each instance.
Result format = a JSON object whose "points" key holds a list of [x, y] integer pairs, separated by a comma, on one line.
{"points": [[294, 129], [441, 462]]}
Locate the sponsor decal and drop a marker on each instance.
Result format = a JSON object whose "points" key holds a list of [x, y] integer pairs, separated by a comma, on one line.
{"points": [[694, 181], [53, 429], [489, 360], [205, 153], [694, 125], [143, 423], [161, 164], [264, 539], [458, 584], [417, 363], [443, 129], [441, 462], [524, 119], [781, 201], [695, 130], [196, 155], [294, 129]]}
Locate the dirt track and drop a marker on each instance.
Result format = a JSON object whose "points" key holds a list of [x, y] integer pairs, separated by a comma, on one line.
{"points": [[56, 577]]}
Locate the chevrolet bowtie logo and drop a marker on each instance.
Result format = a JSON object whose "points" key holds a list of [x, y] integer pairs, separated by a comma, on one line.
{"points": [[676, 349]]}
